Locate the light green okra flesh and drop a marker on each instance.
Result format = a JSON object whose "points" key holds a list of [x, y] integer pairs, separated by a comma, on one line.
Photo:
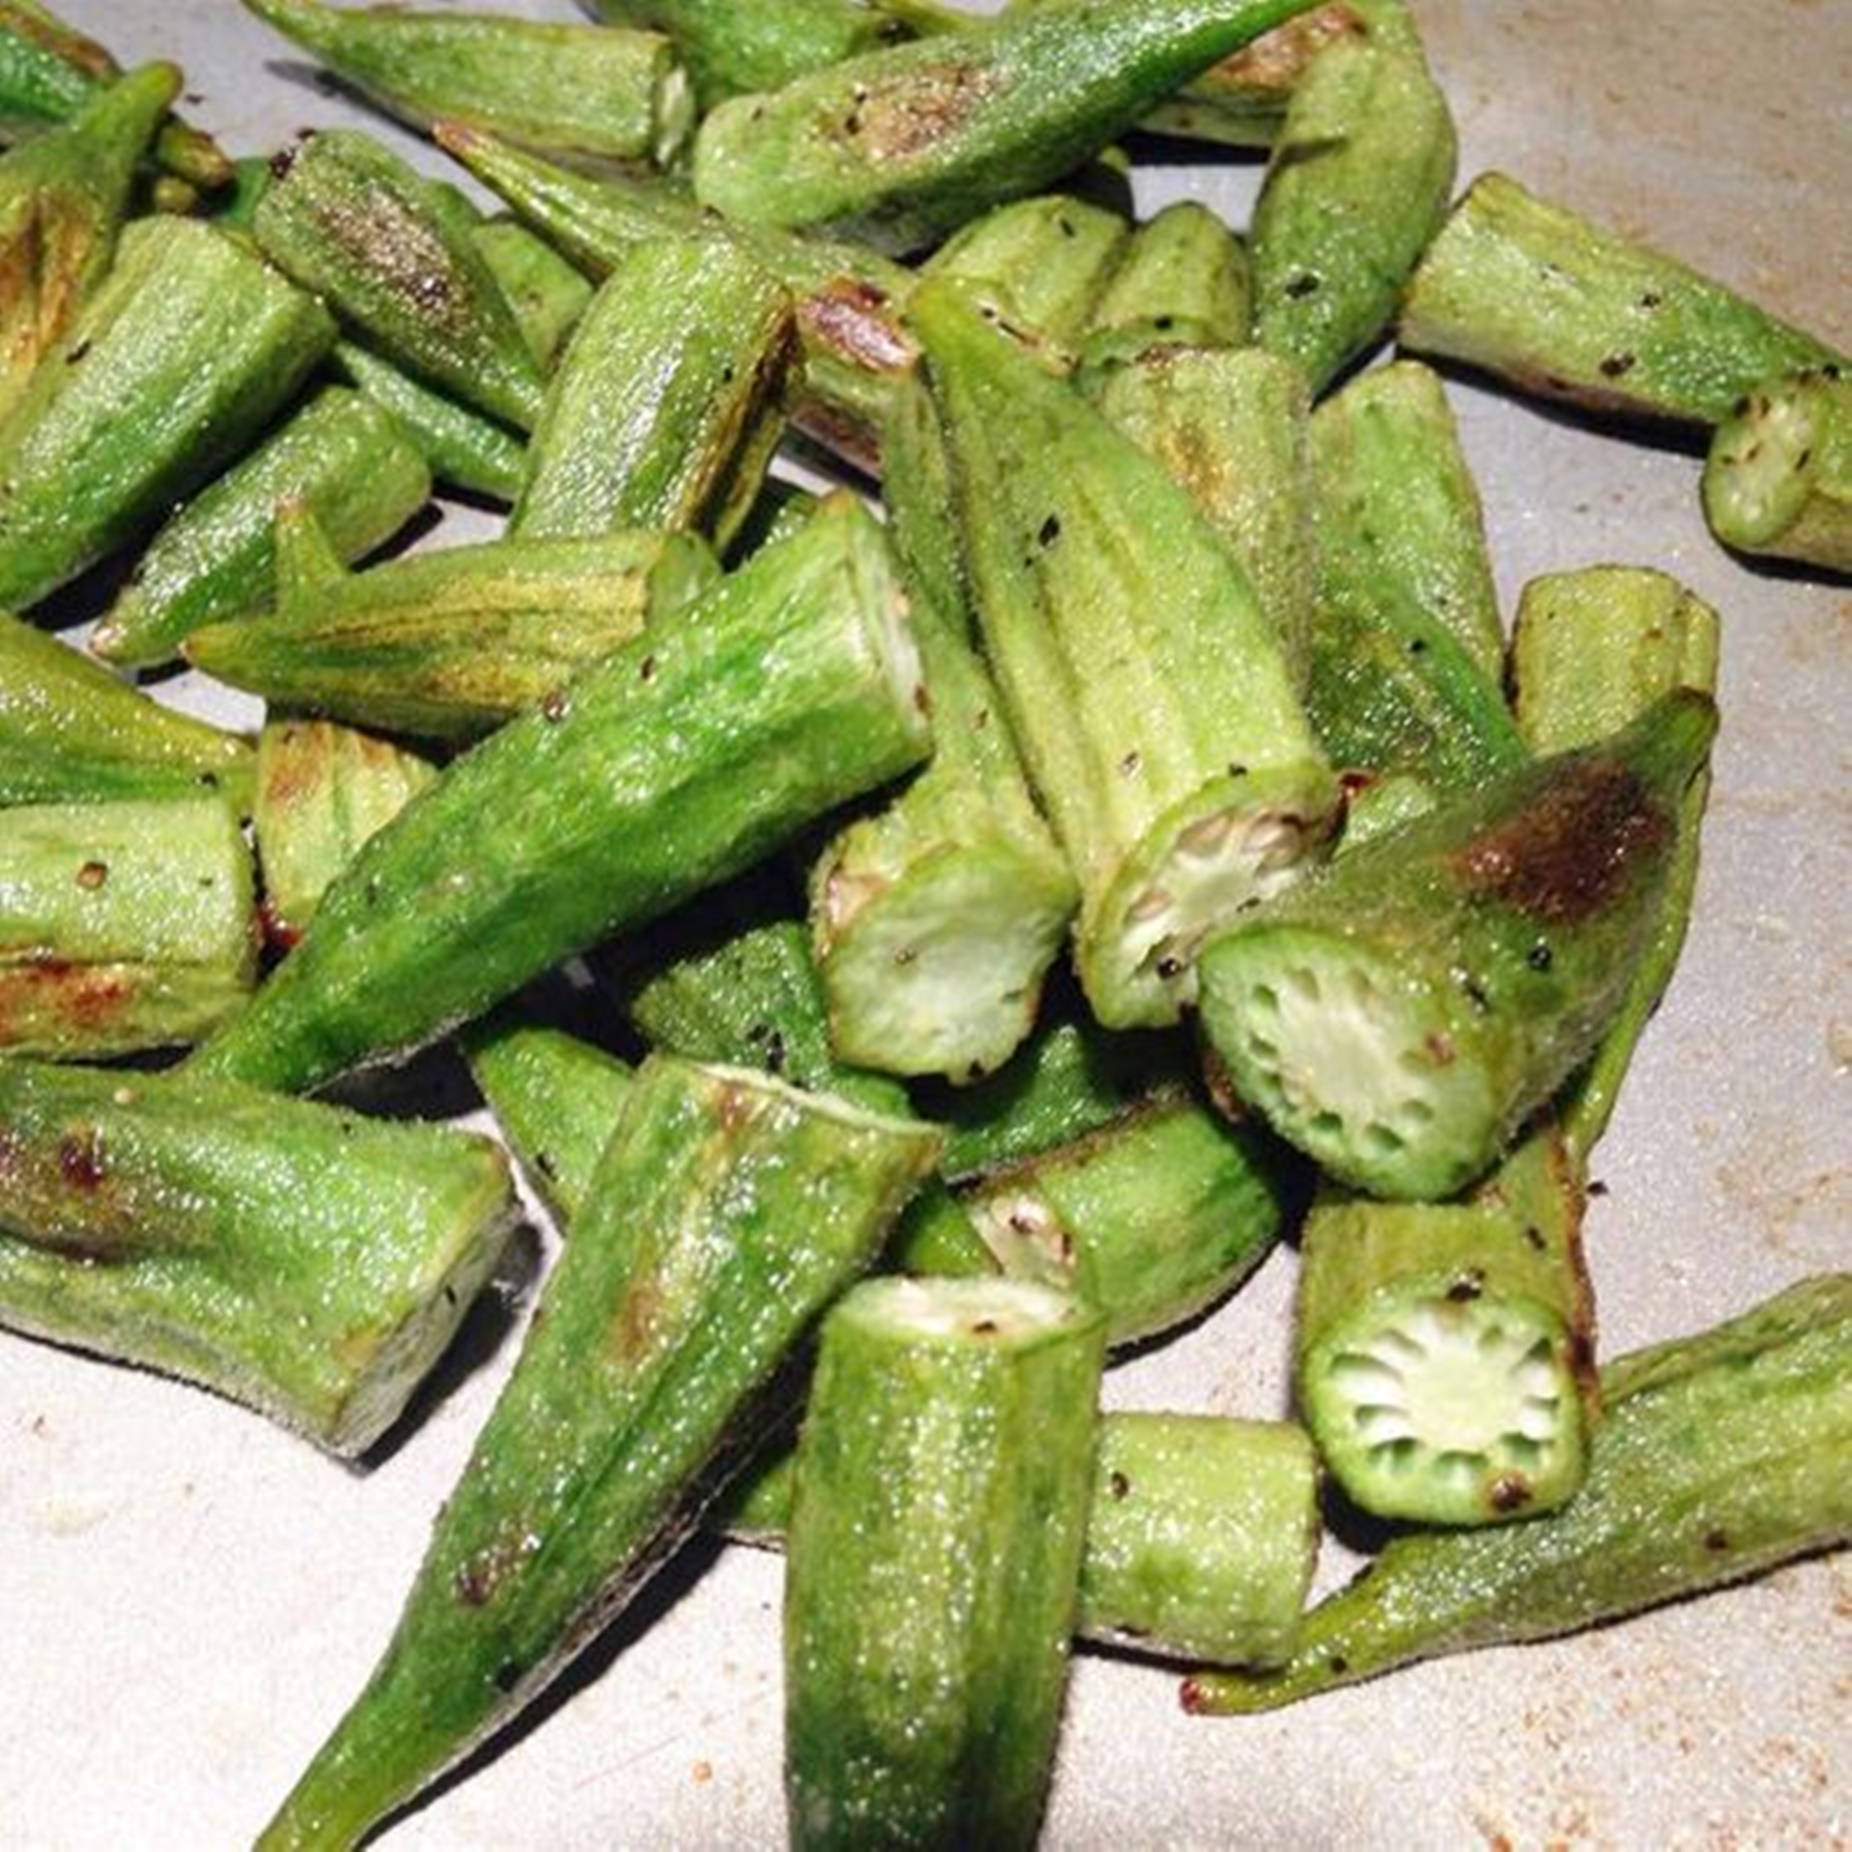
{"points": [[125, 925], [305, 1260], [933, 1561], [726, 1211], [1720, 1456], [1778, 480], [1541, 297], [676, 762]]}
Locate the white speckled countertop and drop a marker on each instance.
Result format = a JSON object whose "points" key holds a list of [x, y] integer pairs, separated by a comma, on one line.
{"points": [[189, 1597]]}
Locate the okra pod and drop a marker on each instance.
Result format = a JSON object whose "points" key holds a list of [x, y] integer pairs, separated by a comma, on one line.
{"points": [[304, 1260], [123, 925], [777, 512], [1401, 1014], [172, 368], [1779, 476], [672, 764], [585, 91], [547, 294], [901, 146], [1152, 702], [663, 411], [933, 1561], [352, 221], [726, 1211], [70, 731], [1539, 296], [322, 790], [1720, 1456], [1182, 281], [448, 644], [341, 457]]}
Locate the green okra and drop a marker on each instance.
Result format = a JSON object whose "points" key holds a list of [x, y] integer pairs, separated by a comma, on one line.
{"points": [[1590, 650], [663, 412], [678, 760], [322, 790], [935, 919], [901, 146], [1406, 645], [778, 511], [1537, 295], [1779, 476], [448, 644], [1152, 703], [547, 294], [586, 91], [1151, 1218], [172, 368], [378, 242], [933, 1561], [463, 448], [72, 731], [307, 1261], [1720, 1456], [1357, 184], [1182, 281], [124, 925], [727, 1210], [1402, 1013], [341, 457], [1232, 426], [63, 198]]}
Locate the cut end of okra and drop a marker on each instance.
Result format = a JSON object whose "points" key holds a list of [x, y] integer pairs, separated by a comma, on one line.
{"points": [[1349, 1060], [1779, 475]]}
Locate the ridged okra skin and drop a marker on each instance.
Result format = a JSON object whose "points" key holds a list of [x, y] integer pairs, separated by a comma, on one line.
{"points": [[547, 294], [125, 925], [664, 409], [180, 359], [1721, 1455], [72, 732], [63, 198], [679, 760], [452, 643], [726, 1212], [1181, 281], [353, 222], [322, 790], [1778, 480], [573, 89], [1406, 647], [932, 1580], [1401, 1014], [899, 147], [341, 457], [298, 1258], [1541, 297], [1152, 703]]}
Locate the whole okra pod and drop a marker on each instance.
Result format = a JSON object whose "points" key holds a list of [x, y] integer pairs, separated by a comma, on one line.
{"points": [[1779, 476], [301, 1259]]}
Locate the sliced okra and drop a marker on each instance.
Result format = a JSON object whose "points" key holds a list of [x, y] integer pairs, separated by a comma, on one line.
{"points": [[1779, 476], [1182, 281]]}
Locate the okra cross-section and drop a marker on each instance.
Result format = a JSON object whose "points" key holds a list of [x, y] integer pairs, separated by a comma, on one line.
{"points": [[1779, 476]]}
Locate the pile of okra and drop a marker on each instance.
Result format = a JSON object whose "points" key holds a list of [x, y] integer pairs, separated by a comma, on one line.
{"points": [[917, 938]]}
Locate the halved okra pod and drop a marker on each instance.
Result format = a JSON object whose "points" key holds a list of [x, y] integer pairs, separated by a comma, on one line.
{"points": [[123, 925], [1721, 1455], [304, 1260], [580, 90], [70, 731], [1401, 1014], [451, 643], [341, 457], [1779, 476], [677, 761], [663, 412], [174, 366], [901, 146], [1150, 697], [943, 1482], [1540, 296], [727, 1210]]}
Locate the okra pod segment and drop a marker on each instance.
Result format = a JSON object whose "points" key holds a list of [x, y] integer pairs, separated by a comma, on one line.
{"points": [[302, 1259], [546, 293], [1181, 281], [943, 1481], [1778, 480], [726, 1211], [1537, 295]]}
